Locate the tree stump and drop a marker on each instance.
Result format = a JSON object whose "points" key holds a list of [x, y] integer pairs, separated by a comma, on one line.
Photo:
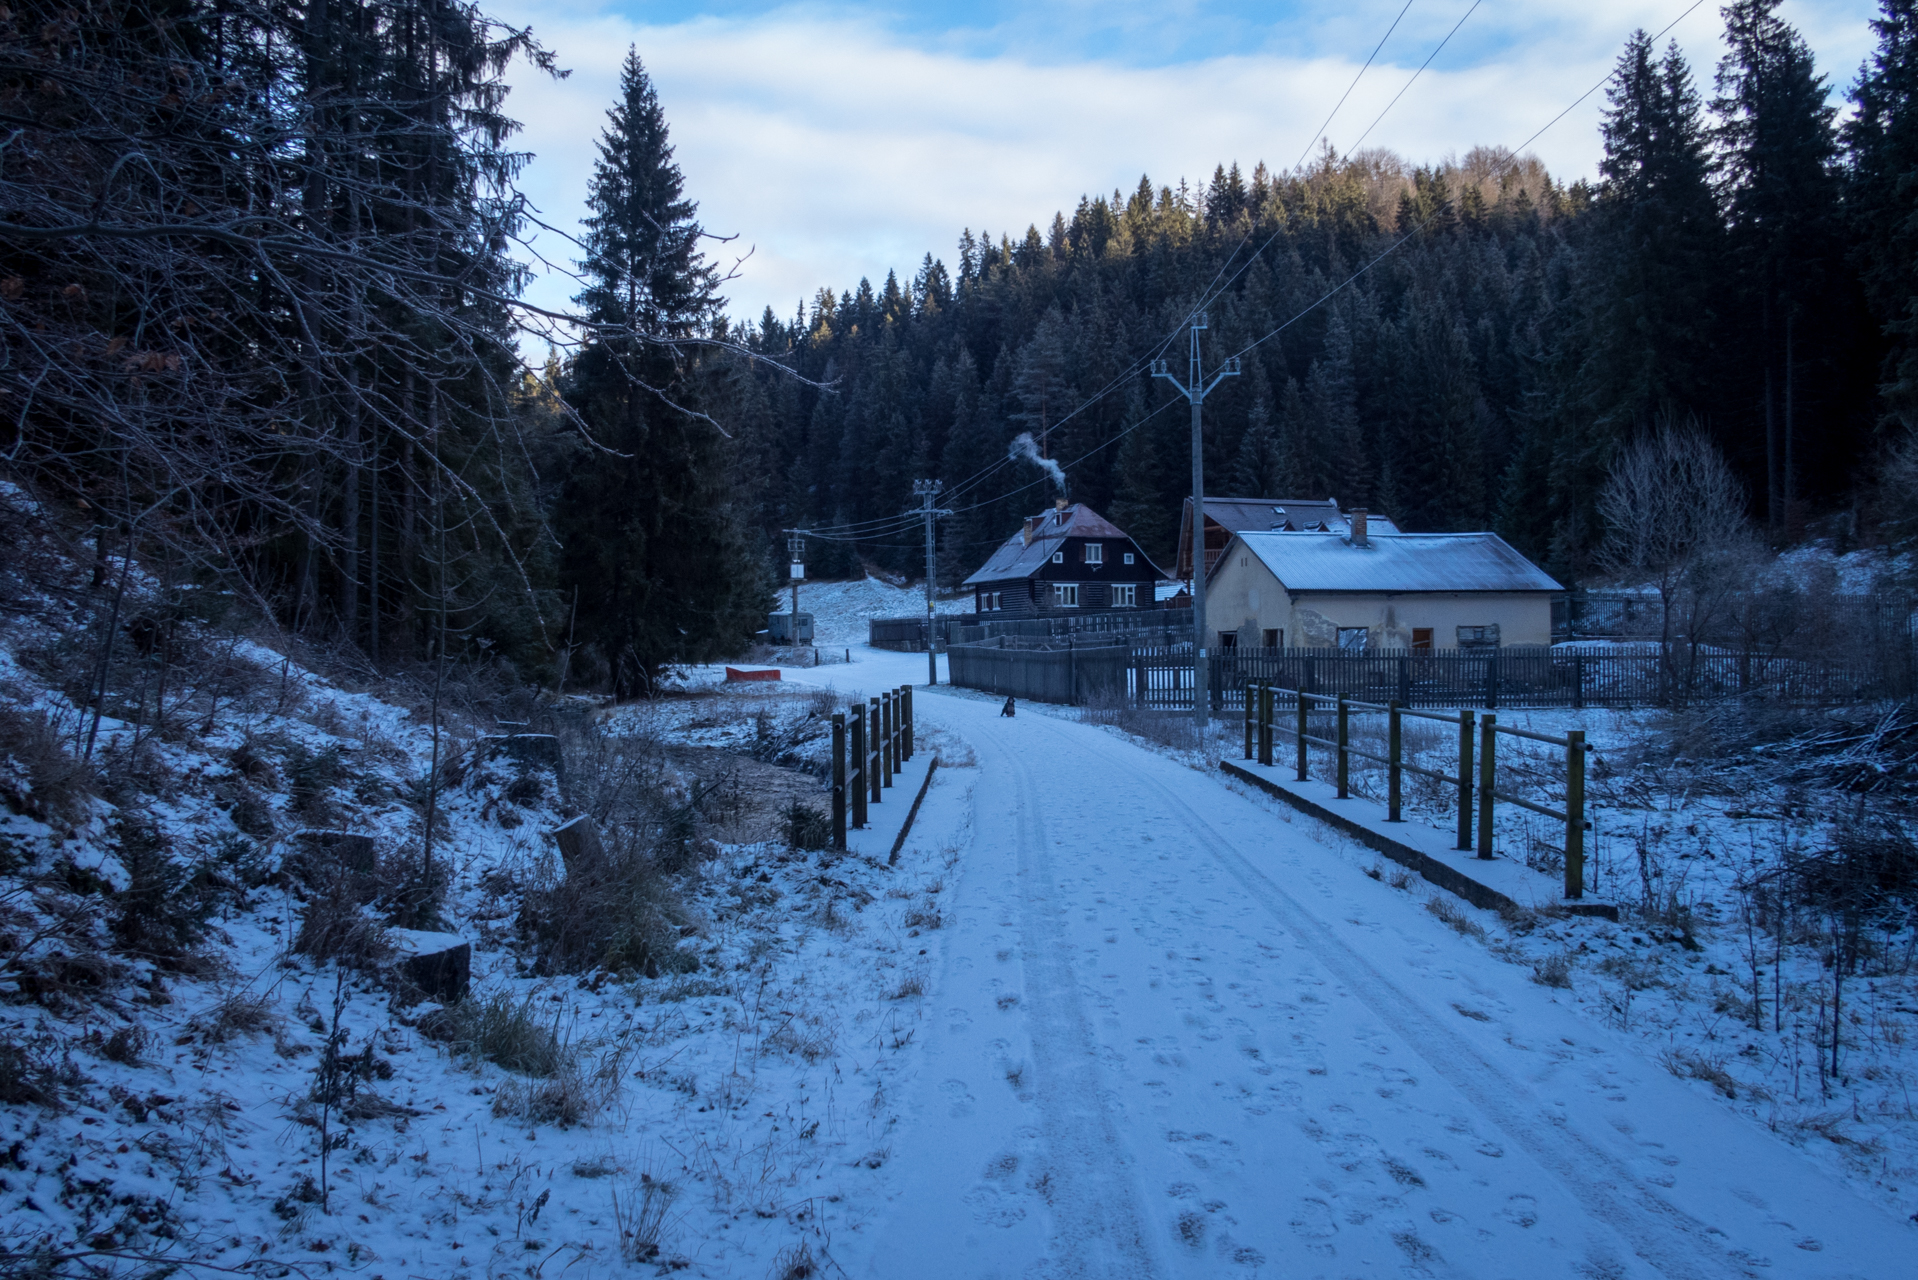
{"points": [[579, 845]]}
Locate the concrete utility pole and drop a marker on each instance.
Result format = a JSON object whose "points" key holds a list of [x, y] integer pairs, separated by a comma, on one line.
{"points": [[926, 491], [796, 552], [1195, 389]]}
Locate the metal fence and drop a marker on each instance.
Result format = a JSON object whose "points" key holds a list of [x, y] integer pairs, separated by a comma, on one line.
{"points": [[1160, 676]]}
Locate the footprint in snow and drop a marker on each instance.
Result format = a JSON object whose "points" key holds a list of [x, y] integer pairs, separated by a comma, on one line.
{"points": [[1520, 1211], [959, 1096]]}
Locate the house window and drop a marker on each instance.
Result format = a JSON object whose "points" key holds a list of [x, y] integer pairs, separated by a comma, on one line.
{"points": [[1065, 595], [1273, 636], [1128, 557], [1125, 595], [1478, 637], [1228, 639], [1095, 553], [1354, 639], [1058, 557], [1421, 637]]}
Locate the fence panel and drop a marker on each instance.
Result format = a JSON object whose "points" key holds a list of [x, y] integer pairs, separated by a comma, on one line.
{"points": [[1160, 676]]}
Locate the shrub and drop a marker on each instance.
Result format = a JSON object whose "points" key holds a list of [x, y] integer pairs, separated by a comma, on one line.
{"points": [[506, 1033], [30, 1074], [641, 1216], [39, 777], [162, 913], [1454, 917], [1554, 970], [806, 826]]}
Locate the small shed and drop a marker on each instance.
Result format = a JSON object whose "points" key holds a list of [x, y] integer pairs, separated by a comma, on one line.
{"points": [[1069, 558], [1358, 590], [1227, 516]]}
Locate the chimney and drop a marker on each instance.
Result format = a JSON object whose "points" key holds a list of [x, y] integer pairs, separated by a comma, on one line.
{"points": [[1025, 535], [1060, 504], [1358, 529]]}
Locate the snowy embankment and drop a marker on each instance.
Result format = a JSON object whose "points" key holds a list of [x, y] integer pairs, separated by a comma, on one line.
{"points": [[192, 1076], [841, 609]]}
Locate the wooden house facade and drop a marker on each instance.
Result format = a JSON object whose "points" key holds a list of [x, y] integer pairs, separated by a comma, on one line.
{"points": [[1065, 559]]}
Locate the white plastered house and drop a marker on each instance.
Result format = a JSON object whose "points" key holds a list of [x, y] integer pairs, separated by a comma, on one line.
{"points": [[1353, 590]]}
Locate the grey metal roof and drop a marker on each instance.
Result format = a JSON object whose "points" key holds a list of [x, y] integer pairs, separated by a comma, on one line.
{"points": [[1017, 559], [1393, 562], [1262, 514]]}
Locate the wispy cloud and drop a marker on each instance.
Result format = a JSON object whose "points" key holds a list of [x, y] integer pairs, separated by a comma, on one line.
{"points": [[839, 144]]}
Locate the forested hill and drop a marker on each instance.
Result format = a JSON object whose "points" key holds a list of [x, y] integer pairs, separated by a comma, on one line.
{"points": [[1461, 344], [262, 346]]}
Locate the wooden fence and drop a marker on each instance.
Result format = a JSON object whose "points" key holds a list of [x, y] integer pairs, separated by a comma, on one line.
{"points": [[869, 745], [1160, 676]]}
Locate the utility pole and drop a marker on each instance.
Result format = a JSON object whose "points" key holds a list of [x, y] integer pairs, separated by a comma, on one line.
{"points": [[1195, 389], [926, 491], [796, 552]]}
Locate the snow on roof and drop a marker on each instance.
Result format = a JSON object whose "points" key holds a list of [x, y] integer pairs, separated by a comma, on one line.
{"points": [[1241, 514], [1016, 558], [1394, 562]]}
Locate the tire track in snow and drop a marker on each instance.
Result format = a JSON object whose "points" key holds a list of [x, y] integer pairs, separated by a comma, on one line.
{"points": [[1095, 1205], [1664, 1236]]}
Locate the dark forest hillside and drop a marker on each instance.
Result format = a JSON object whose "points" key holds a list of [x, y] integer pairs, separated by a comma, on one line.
{"points": [[1462, 344], [259, 277]]}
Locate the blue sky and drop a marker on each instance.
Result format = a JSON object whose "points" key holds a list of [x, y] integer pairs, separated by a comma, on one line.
{"points": [[838, 141]]}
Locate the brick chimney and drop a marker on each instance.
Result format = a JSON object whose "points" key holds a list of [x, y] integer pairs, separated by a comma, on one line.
{"points": [[1358, 529], [1025, 534]]}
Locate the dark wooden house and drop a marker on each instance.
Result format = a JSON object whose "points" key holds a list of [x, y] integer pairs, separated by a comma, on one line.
{"points": [[1068, 558]]}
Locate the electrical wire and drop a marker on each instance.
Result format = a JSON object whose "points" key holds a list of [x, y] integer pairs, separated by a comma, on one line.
{"points": [[1415, 75], [884, 524], [901, 521]]}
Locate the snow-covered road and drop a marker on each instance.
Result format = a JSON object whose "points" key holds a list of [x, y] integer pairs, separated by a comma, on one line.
{"points": [[1176, 1035]]}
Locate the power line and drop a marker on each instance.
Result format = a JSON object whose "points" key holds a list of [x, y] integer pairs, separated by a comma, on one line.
{"points": [[882, 525], [1415, 75], [1511, 163]]}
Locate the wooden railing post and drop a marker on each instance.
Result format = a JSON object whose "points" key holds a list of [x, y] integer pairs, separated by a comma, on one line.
{"points": [[1345, 720], [860, 759], [1487, 780], [1302, 732], [1248, 719], [1405, 679], [1575, 814], [839, 780], [1464, 779], [1265, 723], [905, 738], [875, 750], [1394, 743], [889, 742]]}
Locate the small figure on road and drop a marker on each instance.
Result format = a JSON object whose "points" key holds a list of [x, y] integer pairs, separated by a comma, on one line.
{"points": [[1008, 709]]}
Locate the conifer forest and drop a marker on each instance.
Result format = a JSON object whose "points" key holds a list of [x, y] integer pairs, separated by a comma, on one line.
{"points": [[261, 270]]}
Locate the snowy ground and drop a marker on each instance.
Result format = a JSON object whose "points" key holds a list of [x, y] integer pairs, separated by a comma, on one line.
{"points": [[841, 610], [1108, 1016]]}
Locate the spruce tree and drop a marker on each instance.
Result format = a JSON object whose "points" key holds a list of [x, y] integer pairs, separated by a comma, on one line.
{"points": [[1883, 197], [1657, 243], [650, 544], [1777, 149]]}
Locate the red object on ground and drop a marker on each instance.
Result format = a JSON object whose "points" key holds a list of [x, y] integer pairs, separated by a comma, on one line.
{"points": [[734, 673]]}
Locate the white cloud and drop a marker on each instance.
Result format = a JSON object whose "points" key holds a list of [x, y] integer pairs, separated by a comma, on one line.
{"points": [[835, 150]]}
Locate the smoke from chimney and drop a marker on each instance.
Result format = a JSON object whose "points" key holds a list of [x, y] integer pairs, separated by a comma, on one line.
{"points": [[1023, 447]]}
